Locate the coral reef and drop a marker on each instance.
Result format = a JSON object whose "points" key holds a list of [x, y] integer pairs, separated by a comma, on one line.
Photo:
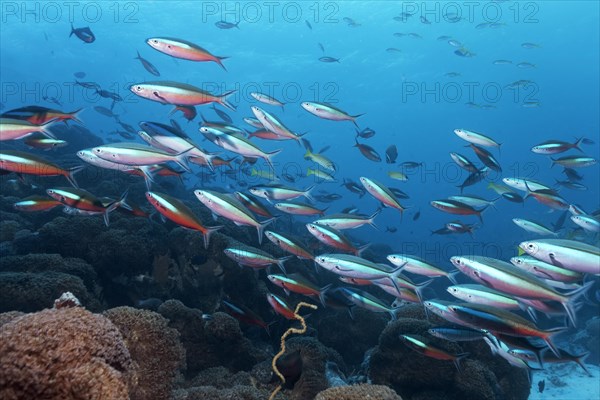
{"points": [[66, 353], [358, 392], [154, 348], [483, 377]]}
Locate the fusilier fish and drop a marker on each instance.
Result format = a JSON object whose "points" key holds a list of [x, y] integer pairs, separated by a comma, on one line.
{"points": [[569, 254], [179, 48], [327, 111], [476, 138], [29, 164], [179, 94]]}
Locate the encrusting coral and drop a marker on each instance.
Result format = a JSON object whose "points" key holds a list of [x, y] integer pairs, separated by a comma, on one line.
{"points": [[154, 348], [64, 353]]}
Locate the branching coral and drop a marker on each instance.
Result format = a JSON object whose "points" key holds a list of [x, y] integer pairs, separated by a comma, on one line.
{"points": [[287, 333]]}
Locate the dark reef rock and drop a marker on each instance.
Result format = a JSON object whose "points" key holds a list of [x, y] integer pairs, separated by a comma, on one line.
{"points": [[356, 338], [415, 376], [154, 348], [358, 392], [29, 292], [87, 353]]}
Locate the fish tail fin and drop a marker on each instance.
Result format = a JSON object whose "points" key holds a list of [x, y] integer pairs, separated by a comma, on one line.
{"points": [[261, 228], [75, 115], [420, 288], [580, 360], [308, 195], [72, 30], [138, 56], [452, 277], [553, 162], [527, 191], [280, 262], [268, 157], [372, 217], [361, 249], [182, 159], [493, 202], [219, 60], [208, 232], [548, 335], [70, 175], [570, 298], [114, 205], [45, 131], [457, 360], [356, 116], [577, 144], [222, 99], [148, 176], [323, 292]]}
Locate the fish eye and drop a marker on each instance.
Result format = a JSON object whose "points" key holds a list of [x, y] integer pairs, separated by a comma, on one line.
{"points": [[530, 246], [138, 88], [169, 46], [155, 41], [476, 273]]}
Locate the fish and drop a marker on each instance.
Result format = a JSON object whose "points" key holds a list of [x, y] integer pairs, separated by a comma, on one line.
{"points": [[52, 100], [85, 34], [511, 280], [147, 65], [512, 196], [227, 25], [474, 201], [231, 208], [367, 301], [86, 203], [179, 94], [327, 111], [255, 258], [456, 334], [417, 216], [29, 164], [547, 197], [183, 49], [382, 193], [280, 192], [290, 245], [280, 306], [476, 138], [459, 227], [44, 143], [556, 146], [464, 162], [523, 184], [526, 65], [574, 161], [334, 238], [308, 24], [544, 270], [393, 50], [41, 115], [36, 203], [502, 62], [327, 59], [253, 204], [473, 178], [571, 185], [320, 174], [273, 124], [266, 99], [479, 294], [104, 111], [79, 74], [299, 209], [351, 266], [244, 314], [354, 187], [391, 153], [135, 154], [534, 227], [367, 151], [486, 158], [347, 221], [176, 211], [529, 45], [418, 266], [365, 133], [14, 129], [420, 345], [587, 222], [457, 208]]}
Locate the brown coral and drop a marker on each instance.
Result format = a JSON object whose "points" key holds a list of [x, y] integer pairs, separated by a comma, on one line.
{"points": [[358, 392], [155, 349], [66, 353]]}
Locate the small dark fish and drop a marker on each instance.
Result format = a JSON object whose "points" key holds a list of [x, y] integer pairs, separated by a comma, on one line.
{"points": [[442, 231], [127, 127], [79, 75], [324, 149], [391, 229], [85, 34], [473, 178], [571, 185], [368, 152], [399, 193], [393, 50], [366, 133], [288, 177], [329, 59], [52, 100], [410, 164], [512, 196], [350, 210], [417, 215], [541, 386], [104, 111], [328, 198], [560, 221], [322, 47], [147, 65], [354, 187], [572, 175], [308, 24], [391, 154], [222, 114], [588, 141], [109, 95], [226, 25], [189, 112], [486, 157], [126, 135], [88, 85]]}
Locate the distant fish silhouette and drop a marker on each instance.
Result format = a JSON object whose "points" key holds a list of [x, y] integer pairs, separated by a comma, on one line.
{"points": [[541, 385], [85, 34]]}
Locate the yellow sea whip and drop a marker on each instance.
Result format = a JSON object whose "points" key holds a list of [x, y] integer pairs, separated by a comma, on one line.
{"points": [[282, 349]]}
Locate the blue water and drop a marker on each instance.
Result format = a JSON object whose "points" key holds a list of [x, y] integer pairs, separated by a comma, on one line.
{"points": [[404, 96]]}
